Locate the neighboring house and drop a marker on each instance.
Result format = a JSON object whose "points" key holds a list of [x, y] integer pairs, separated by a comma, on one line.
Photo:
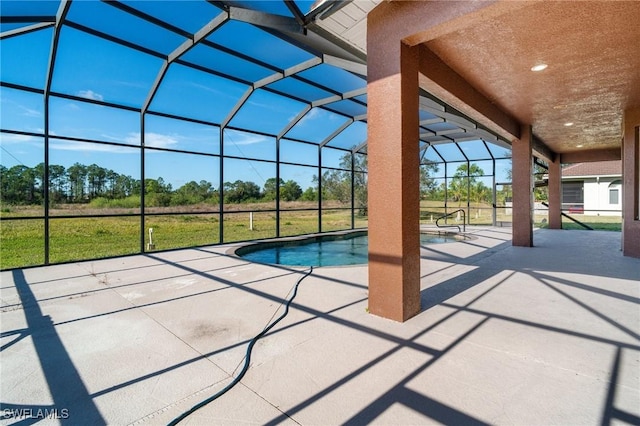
{"points": [[593, 188]]}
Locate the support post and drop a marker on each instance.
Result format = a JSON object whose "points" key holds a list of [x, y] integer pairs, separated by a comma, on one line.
{"points": [[555, 194], [522, 174], [394, 198], [631, 184]]}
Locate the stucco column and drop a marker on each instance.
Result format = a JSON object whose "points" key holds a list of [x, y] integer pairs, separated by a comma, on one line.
{"points": [[631, 184], [393, 181], [555, 194], [522, 175]]}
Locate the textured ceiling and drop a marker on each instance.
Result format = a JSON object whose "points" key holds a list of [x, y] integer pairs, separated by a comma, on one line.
{"points": [[592, 50], [349, 23]]}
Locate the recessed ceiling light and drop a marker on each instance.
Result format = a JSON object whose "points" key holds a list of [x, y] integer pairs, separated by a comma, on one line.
{"points": [[568, 124], [579, 146], [539, 67]]}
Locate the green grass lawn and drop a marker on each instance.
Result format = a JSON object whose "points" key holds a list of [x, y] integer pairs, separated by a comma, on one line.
{"points": [[595, 225], [598, 223], [82, 238], [482, 215], [22, 241]]}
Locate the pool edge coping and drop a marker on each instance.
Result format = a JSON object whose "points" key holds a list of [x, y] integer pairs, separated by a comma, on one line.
{"points": [[291, 240]]}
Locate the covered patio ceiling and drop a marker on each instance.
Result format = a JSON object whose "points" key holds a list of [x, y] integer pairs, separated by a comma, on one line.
{"points": [[575, 105], [483, 57]]}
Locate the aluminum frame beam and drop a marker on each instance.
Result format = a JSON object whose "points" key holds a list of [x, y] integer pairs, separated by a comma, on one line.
{"points": [[25, 30], [200, 35]]}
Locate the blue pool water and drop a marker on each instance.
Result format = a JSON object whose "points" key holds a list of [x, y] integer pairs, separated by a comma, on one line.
{"points": [[324, 250]]}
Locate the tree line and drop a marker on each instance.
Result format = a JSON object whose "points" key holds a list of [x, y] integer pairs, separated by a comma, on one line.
{"points": [[102, 187], [464, 185], [78, 183]]}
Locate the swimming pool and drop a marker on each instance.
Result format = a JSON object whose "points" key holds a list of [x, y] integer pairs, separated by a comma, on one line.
{"points": [[325, 250]]}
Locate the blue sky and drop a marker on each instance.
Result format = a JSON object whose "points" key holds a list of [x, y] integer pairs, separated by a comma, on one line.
{"points": [[93, 68]]}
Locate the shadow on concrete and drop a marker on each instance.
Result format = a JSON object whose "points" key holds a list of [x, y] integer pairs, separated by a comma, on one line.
{"points": [[72, 403], [438, 295], [612, 413], [445, 414], [104, 276], [399, 393], [32, 312], [47, 342]]}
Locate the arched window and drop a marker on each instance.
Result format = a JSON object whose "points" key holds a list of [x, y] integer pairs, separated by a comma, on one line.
{"points": [[614, 192]]}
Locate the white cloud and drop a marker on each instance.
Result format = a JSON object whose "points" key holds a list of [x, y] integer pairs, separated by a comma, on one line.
{"points": [[270, 107], [158, 140], [313, 114], [93, 147], [131, 138], [12, 138], [90, 94], [134, 84], [244, 139], [11, 104], [207, 88], [28, 112]]}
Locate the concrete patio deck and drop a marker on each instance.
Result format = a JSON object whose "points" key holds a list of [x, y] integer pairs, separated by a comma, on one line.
{"points": [[507, 335]]}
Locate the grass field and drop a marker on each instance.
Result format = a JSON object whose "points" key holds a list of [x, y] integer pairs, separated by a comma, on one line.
{"points": [[81, 238], [598, 223]]}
